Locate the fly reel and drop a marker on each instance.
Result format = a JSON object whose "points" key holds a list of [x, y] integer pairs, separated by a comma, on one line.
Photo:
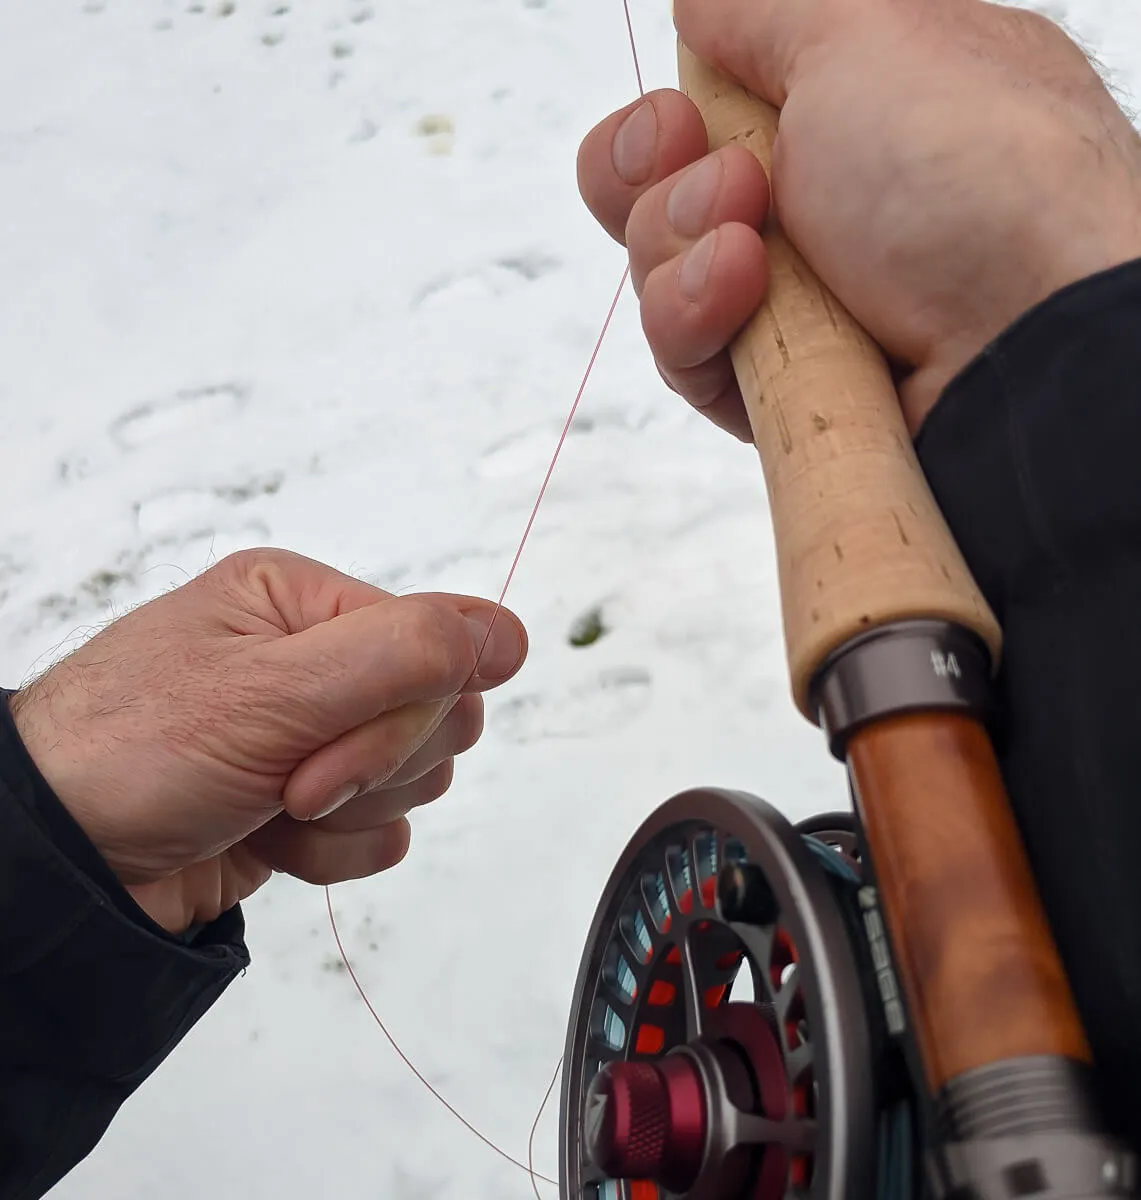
{"points": [[728, 1037]]}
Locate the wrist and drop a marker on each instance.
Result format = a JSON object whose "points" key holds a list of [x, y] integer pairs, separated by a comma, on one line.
{"points": [[53, 751], [1086, 259], [161, 904]]}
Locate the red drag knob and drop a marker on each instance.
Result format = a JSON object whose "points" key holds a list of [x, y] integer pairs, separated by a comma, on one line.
{"points": [[647, 1121]]}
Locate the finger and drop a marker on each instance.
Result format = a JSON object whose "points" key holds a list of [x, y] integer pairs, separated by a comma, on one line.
{"points": [[727, 409], [303, 594], [759, 42], [323, 856], [391, 803], [360, 760], [635, 148], [458, 733], [394, 748], [729, 186], [406, 650], [694, 306]]}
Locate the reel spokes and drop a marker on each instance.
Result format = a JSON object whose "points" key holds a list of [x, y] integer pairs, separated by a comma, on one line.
{"points": [[719, 1043]]}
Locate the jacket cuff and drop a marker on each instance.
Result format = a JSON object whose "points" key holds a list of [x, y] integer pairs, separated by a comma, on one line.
{"points": [[1027, 447], [102, 989]]}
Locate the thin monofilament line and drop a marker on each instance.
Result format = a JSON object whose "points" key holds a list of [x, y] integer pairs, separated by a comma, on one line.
{"points": [[529, 1166], [633, 47], [411, 1065], [554, 462], [535, 1176], [581, 387]]}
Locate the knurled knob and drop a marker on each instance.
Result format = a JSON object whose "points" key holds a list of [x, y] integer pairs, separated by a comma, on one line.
{"points": [[646, 1120]]}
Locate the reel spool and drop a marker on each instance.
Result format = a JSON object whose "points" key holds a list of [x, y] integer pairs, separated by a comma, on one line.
{"points": [[726, 1038]]}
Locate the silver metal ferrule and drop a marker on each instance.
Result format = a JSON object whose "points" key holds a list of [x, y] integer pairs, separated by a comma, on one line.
{"points": [[1026, 1128]]}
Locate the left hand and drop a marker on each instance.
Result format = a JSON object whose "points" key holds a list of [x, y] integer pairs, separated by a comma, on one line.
{"points": [[271, 715]]}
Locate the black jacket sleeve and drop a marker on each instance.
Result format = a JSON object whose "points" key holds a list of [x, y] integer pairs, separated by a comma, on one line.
{"points": [[1034, 455], [93, 994]]}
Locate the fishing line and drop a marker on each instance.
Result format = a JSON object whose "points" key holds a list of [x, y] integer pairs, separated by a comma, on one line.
{"points": [[529, 1165], [412, 1066]]}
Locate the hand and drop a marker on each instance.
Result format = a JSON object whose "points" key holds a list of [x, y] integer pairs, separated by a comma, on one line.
{"points": [[272, 714], [942, 167]]}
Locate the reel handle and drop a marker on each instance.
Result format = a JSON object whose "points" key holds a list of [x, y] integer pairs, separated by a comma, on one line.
{"points": [[861, 545]]}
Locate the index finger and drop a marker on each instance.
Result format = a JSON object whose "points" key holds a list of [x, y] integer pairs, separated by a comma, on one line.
{"points": [[638, 146]]}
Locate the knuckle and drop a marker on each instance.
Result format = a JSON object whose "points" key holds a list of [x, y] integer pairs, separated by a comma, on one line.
{"points": [[254, 576], [241, 564]]}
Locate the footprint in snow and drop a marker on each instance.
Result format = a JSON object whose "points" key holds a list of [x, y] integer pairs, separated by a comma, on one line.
{"points": [[524, 453], [364, 132], [11, 568], [494, 278], [189, 409], [606, 703], [198, 507]]}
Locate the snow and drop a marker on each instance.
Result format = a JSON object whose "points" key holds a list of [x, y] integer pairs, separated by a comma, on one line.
{"points": [[318, 276]]}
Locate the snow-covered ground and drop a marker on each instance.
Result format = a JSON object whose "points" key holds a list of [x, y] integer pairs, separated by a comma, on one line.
{"points": [[315, 274]]}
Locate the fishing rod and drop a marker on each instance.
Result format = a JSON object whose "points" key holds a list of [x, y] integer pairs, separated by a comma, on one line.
{"points": [[868, 1003]]}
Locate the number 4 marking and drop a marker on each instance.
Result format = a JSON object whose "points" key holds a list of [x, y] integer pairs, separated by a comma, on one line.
{"points": [[945, 664]]}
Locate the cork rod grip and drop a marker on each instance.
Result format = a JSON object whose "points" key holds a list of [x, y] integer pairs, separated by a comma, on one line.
{"points": [[860, 541]]}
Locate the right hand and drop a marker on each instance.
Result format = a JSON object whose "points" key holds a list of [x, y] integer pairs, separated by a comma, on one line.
{"points": [[942, 167]]}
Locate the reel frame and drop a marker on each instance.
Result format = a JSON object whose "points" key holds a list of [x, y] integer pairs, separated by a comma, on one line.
{"points": [[710, 875]]}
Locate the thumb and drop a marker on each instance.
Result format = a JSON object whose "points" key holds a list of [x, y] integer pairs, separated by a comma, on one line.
{"points": [[756, 42], [399, 651]]}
